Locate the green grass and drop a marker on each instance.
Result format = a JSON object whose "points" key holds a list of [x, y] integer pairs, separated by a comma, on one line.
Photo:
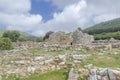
{"points": [[106, 61], [54, 75]]}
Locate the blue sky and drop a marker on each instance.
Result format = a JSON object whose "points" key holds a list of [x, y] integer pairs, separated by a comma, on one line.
{"points": [[40, 16], [46, 9]]}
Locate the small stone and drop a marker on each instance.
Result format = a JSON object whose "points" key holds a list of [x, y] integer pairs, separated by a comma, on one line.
{"points": [[39, 58], [31, 69]]}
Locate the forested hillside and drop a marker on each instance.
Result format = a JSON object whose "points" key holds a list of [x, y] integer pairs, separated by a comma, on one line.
{"points": [[104, 27], [105, 30]]}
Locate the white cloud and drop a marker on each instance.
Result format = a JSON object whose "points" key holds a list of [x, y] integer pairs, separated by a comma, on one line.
{"points": [[63, 3], [14, 14], [68, 18], [15, 6]]}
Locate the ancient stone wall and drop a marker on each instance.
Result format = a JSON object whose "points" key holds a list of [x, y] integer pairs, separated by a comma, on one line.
{"points": [[60, 37], [76, 37], [81, 38]]}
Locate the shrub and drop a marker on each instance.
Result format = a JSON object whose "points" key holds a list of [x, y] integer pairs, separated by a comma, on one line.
{"points": [[47, 35], [5, 44], [22, 39], [13, 35], [39, 39]]}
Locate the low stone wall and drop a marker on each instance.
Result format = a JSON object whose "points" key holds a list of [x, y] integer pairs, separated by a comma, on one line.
{"points": [[40, 45], [57, 46]]}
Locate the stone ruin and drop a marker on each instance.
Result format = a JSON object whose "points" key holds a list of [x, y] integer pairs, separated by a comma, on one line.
{"points": [[76, 37], [58, 41], [81, 38], [60, 37], [77, 40]]}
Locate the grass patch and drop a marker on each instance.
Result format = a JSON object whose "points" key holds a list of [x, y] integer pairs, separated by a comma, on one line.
{"points": [[106, 60], [54, 75]]}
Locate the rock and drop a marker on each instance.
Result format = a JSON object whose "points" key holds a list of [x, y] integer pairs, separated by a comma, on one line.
{"points": [[20, 62], [79, 57], [39, 58], [89, 66], [105, 78], [48, 61], [93, 75], [62, 57], [103, 72], [31, 69], [111, 75], [116, 74], [76, 61], [41, 63], [72, 75], [58, 67], [62, 63], [99, 77], [53, 67]]}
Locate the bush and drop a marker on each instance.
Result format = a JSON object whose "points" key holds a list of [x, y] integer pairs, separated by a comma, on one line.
{"points": [[5, 44], [47, 35], [39, 40], [13, 35], [22, 39]]}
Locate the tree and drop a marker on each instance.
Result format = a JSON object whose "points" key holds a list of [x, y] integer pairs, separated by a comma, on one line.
{"points": [[39, 39], [47, 35], [22, 39], [5, 44], [13, 35], [79, 28]]}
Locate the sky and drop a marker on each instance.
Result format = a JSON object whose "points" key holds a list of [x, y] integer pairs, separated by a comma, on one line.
{"points": [[40, 16]]}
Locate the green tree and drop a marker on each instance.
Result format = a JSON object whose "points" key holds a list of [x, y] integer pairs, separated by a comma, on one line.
{"points": [[39, 39], [13, 35], [79, 28], [22, 39], [5, 44], [47, 35]]}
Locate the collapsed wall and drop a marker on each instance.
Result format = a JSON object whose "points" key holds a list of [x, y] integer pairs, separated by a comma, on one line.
{"points": [[76, 37]]}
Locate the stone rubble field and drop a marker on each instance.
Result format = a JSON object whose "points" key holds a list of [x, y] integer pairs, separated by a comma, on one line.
{"points": [[25, 64]]}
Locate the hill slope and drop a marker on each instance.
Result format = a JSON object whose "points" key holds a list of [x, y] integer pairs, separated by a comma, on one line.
{"points": [[104, 27], [22, 35]]}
